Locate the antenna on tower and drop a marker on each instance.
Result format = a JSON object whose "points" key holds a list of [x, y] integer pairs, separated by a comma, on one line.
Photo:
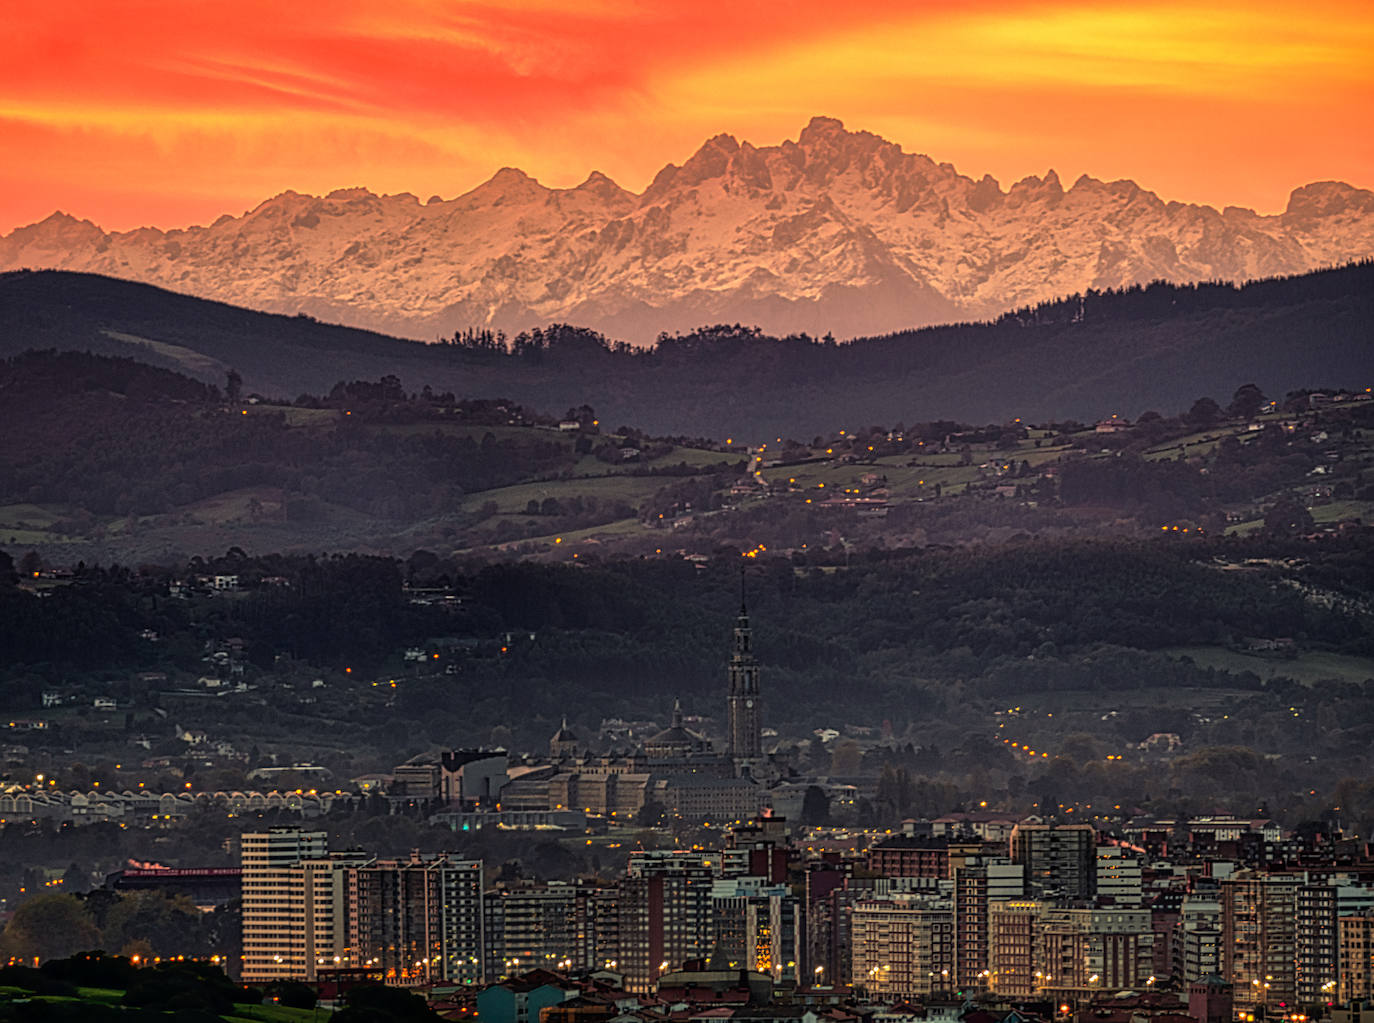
{"points": [[743, 604]]}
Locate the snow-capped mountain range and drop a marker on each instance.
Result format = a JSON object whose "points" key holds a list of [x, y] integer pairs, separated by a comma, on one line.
{"points": [[838, 232]]}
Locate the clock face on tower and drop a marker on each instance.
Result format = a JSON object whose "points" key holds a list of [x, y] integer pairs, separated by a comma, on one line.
{"points": [[749, 704]]}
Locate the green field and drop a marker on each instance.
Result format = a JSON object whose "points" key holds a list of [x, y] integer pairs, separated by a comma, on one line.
{"points": [[1200, 443], [276, 1014], [243, 1012], [697, 456], [189, 359], [577, 541], [1339, 511], [36, 519], [513, 500], [1308, 668], [1332, 511], [233, 505], [816, 475], [37, 516], [297, 416], [1096, 701], [458, 428], [101, 994], [906, 481], [27, 537]]}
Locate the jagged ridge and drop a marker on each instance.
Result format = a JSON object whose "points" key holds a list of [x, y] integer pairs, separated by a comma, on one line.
{"points": [[838, 231]]}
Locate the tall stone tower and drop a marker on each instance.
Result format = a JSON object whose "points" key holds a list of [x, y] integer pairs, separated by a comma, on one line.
{"points": [[743, 741]]}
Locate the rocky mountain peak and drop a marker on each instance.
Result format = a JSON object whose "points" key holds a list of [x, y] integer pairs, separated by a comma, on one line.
{"points": [[57, 229], [1329, 198], [836, 230], [710, 161], [1032, 189], [821, 129], [596, 181], [508, 183], [831, 149], [351, 193]]}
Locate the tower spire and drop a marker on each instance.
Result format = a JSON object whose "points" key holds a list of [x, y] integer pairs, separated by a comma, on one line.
{"points": [[743, 604], [743, 741]]}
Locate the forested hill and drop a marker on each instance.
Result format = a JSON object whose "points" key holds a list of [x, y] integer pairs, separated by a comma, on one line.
{"points": [[1081, 357]]}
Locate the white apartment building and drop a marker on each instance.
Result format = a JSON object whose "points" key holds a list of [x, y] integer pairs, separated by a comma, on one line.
{"points": [[295, 905]]}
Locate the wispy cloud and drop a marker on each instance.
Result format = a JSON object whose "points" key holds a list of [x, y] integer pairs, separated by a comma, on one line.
{"points": [[160, 110]]}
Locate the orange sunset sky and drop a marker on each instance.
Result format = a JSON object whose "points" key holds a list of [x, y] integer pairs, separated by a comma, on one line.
{"points": [[171, 112]]}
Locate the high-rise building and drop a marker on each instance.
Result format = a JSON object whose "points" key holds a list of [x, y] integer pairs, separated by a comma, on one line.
{"points": [[756, 849], [1038, 950], [903, 946], [744, 738], [274, 945], [1082, 952], [831, 898], [756, 925], [559, 925], [419, 918], [1166, 920], [1013, 929], [1059, 859], [531, 926], [664, 914], [1258, 938], [1118, 881], [1197, 939], [1356, 981], [978, 882], [920, 855], [324, 912], [599, 920], [1316, 944]]}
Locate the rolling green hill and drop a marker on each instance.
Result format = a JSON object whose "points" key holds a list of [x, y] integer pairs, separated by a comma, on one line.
{"points": [[109, 458], [1085, 357]]}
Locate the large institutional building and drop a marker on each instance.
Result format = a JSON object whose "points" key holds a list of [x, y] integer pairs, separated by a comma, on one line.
{"points": [[677, 771], [307, 912]]}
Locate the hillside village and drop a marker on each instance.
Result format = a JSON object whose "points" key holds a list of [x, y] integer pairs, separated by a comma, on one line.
{"points": [[491, 478]]}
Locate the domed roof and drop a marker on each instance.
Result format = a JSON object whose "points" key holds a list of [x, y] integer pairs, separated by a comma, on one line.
{"points": [[674, 735]]}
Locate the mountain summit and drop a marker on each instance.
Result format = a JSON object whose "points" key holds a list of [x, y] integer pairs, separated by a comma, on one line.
{"points": [[838, 231]]}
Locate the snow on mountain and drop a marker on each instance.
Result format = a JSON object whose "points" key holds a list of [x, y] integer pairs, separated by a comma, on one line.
{"points": [[838, 231]]}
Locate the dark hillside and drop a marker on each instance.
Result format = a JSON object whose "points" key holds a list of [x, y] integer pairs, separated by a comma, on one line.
{"points": [[1082, 357], [114, 436]]}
